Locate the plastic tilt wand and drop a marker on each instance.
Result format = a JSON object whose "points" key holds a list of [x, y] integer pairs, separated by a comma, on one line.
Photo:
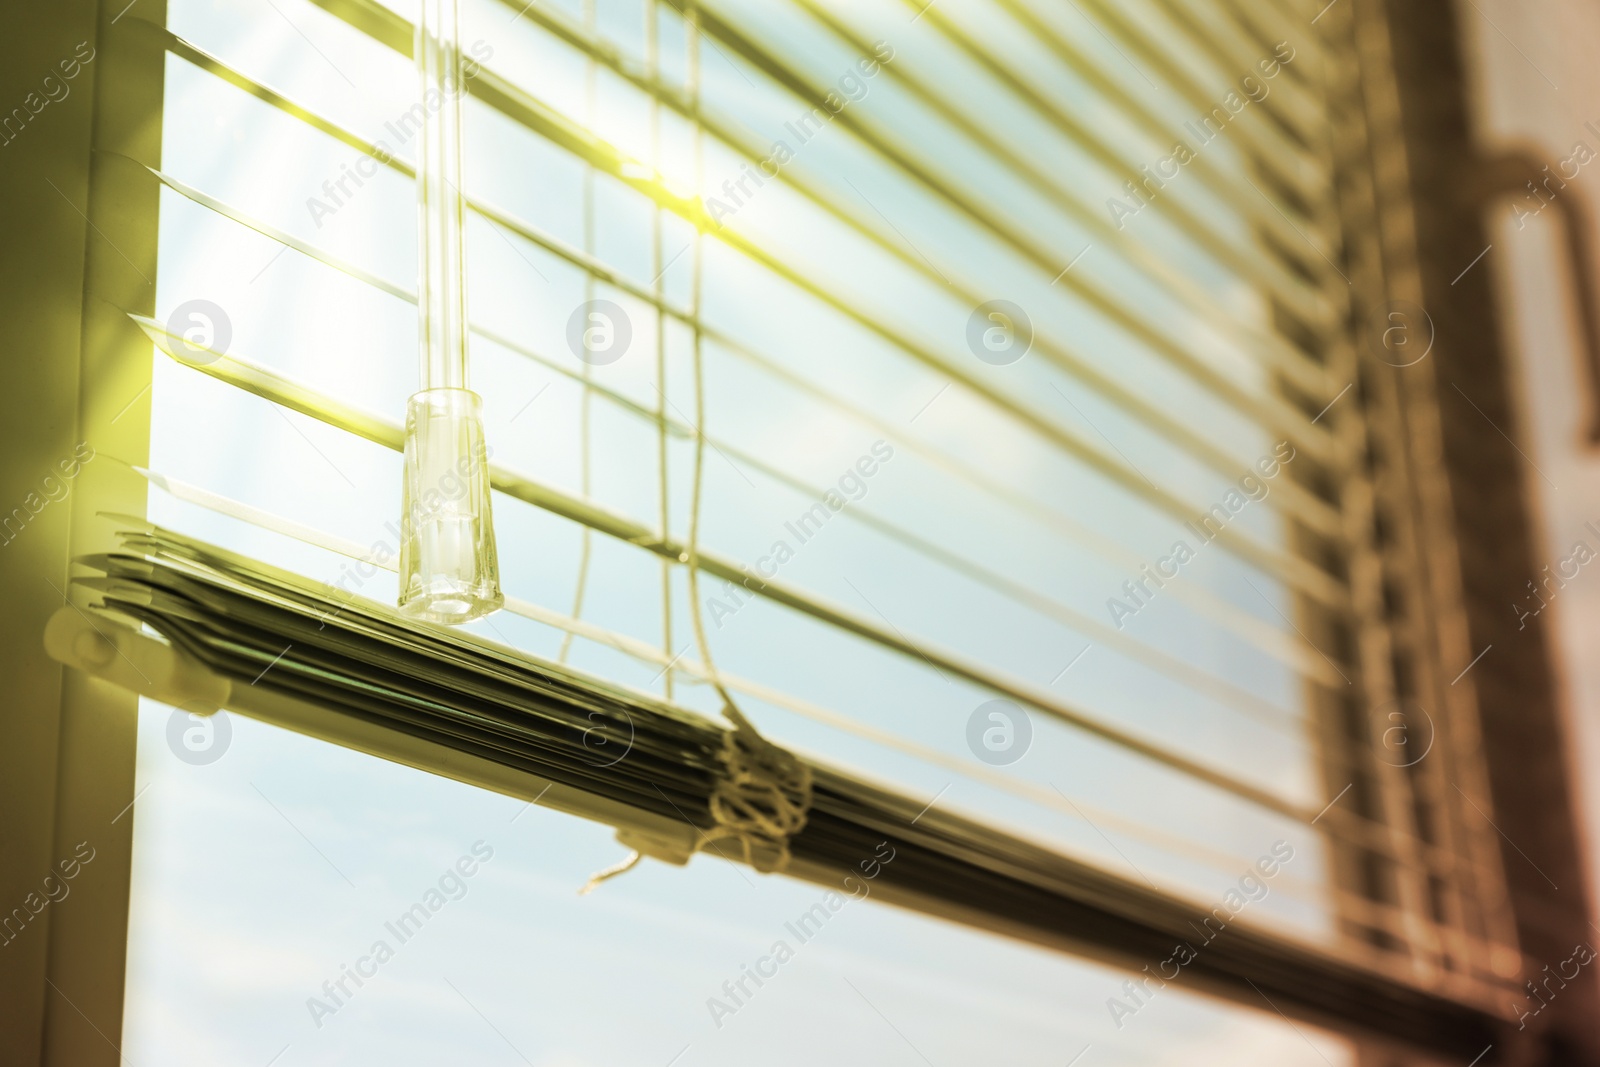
{"points": [[448, 569]]}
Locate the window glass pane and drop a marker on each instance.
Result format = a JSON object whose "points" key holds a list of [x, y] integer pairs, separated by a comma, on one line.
{"points": [[874, 442], [286, 863]]}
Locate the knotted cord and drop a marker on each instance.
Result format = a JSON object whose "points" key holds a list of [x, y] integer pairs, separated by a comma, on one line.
{"points": [[763, 794]]}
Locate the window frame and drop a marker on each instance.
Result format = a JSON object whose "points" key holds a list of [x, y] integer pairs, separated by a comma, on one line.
{"points": [[91, 752]]}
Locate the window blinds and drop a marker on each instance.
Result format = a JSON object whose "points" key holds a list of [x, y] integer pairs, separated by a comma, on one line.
{"points": [[265, 642], [1001, 395]]}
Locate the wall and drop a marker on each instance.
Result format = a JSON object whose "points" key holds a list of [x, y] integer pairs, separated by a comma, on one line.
{"points": [[1535, 85]]}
